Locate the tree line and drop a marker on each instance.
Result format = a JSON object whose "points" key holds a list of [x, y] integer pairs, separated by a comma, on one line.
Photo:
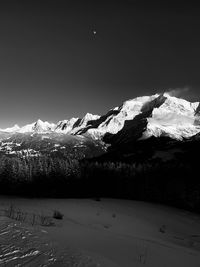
{"points": [[173, 183]]}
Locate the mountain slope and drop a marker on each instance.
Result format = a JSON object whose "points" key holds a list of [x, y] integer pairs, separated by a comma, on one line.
{"points": [[134, 129]]}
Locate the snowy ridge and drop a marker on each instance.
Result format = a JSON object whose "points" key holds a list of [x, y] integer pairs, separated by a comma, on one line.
{"points": [[84, 122], [165, 115], [65, 126], [15, 128], [73, 125]]}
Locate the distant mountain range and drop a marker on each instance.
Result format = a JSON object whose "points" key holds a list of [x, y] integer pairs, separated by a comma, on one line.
{"points": [[140, 119], [163, 115]]}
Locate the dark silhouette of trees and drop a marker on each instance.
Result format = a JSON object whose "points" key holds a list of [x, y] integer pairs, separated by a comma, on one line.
{"points": [[175, 182]]}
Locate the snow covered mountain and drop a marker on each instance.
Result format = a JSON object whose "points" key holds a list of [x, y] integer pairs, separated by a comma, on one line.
{"points": [[15, 128], [39, 126], [139, 118], [156, 115]]}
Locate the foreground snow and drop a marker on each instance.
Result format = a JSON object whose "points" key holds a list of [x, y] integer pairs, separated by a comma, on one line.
{"points": [[122, 233]]}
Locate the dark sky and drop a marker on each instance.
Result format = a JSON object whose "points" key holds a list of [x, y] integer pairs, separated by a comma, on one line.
{"points": [[53, 67]]}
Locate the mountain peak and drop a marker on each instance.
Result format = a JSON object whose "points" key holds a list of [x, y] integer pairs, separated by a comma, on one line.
{"points": [[39, 121], [43, 126], [163, 115], [38, 126], [91, 116]]}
